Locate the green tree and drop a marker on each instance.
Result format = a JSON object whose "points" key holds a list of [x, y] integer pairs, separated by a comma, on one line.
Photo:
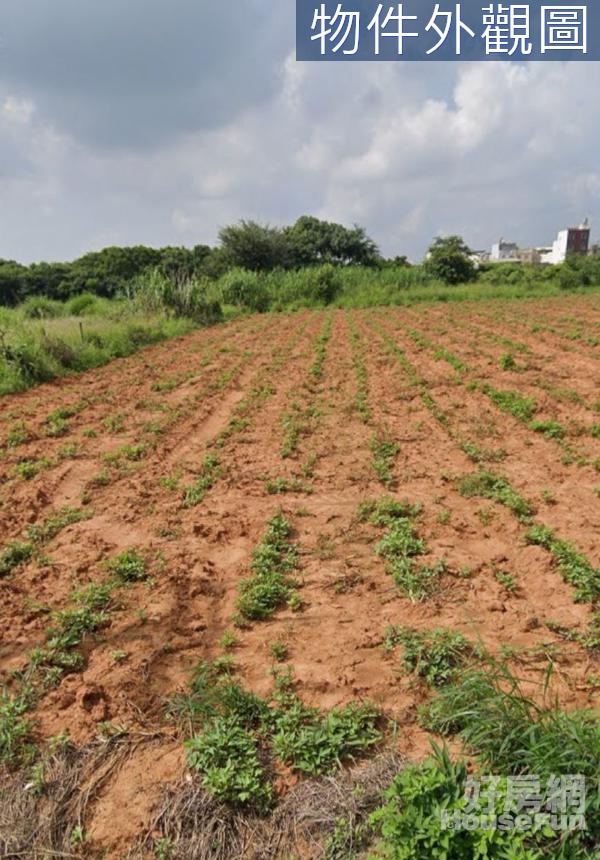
{"points": [[108, 271], [253, 246], [449, 260], [314, 241], [13, 282]]}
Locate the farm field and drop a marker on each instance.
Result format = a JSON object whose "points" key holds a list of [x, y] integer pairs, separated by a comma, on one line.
{"points": [[223, 500]]}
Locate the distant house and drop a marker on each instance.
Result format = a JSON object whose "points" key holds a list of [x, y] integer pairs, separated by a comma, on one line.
{"points": [[504, 252], [573, 240]]}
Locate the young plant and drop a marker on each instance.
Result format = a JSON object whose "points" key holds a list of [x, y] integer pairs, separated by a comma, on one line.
{"points": [[384, 450], [400, 545], [128, 566], [574, 567], [487, 485], [195, 492], [506, 580], [434, 655], [270, 584]]}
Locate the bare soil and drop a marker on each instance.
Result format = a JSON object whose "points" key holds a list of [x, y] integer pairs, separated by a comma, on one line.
{"points": [[176, 399]]}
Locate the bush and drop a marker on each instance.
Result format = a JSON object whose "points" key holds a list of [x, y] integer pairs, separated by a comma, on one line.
{"points": [[39, 307], [449, 260], [84, 303], [510, 735], [307, 287]]}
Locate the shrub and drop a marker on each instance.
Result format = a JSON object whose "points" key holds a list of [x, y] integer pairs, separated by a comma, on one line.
{"points": [[40, 307], [410, 821], [156, 293], [84, 303]]}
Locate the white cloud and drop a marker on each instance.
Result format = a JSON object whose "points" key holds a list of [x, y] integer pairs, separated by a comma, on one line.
{"points": [[406, 149]]}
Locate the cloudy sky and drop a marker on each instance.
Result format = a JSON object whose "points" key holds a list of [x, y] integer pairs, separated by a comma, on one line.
{"points": [[157, 121]]}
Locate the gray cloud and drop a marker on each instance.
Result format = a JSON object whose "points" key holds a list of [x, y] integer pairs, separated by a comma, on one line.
{"points": [[136, 73], [157, 123]]}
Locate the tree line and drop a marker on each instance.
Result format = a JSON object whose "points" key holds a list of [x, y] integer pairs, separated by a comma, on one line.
{"points": [[249, 250], [247, 245]]}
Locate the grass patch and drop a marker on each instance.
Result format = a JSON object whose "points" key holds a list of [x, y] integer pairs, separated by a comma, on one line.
{"points": [[510, 735]]}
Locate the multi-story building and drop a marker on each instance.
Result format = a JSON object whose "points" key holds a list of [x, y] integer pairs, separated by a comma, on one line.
{"points": [[573, 240]]}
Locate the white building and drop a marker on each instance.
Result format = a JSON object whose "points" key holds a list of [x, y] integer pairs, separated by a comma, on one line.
{"points": [[573, 240], [504, 252]]}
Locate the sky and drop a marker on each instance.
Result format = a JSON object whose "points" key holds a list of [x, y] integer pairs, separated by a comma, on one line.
{"points": [[159, 121]]}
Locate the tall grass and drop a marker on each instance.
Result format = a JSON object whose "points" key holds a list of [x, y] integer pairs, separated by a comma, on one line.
{"points": [[34, 351], [510, 734], [360, 286], [43, 338]]}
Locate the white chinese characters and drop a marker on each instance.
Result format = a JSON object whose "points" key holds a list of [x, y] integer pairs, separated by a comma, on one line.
{"points": [[444, 29], [564, 28], [506, 29]]}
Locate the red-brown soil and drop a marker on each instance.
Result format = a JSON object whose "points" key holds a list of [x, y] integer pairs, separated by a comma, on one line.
{"points": [[176, 399]]}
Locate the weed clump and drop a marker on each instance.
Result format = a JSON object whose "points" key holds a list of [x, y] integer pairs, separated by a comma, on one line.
{"points": [[234, 734], [435, 655], [509, 734]]}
